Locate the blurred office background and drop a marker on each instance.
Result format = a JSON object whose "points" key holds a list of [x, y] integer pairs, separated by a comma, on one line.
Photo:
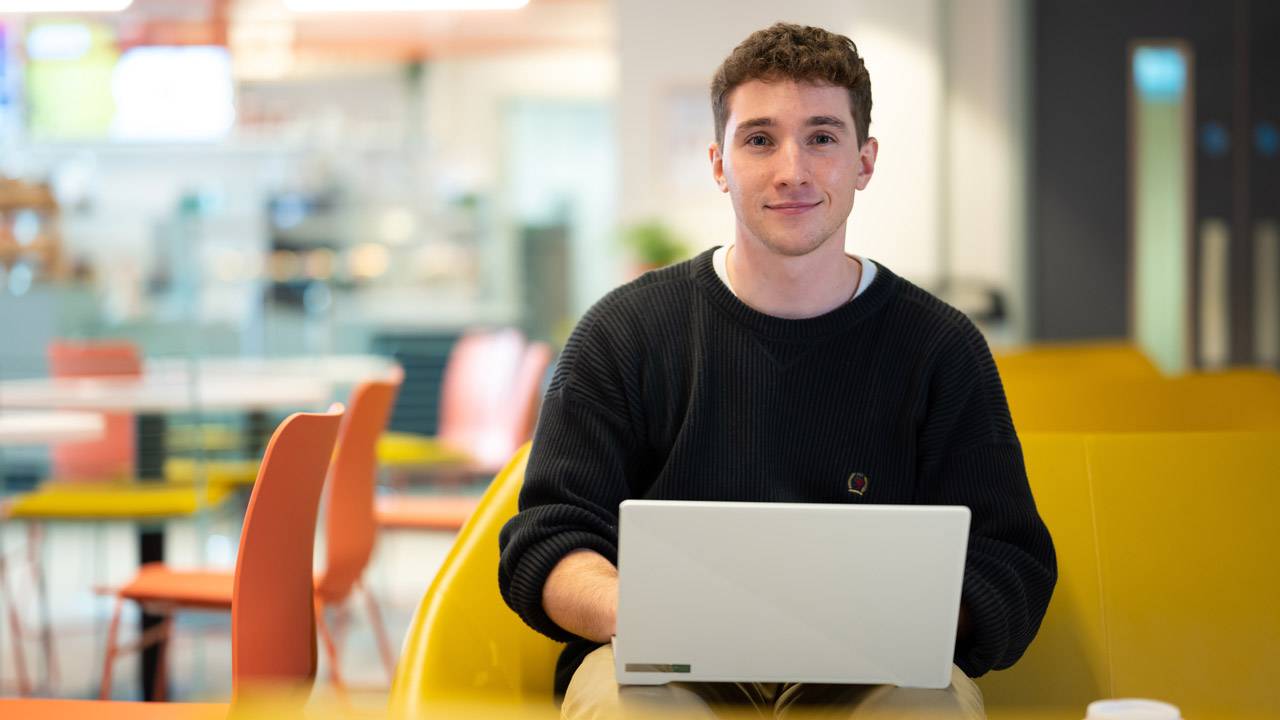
{"points": [[283, 178], [236, 176]]}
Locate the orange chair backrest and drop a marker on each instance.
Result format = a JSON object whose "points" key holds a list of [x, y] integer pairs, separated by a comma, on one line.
{"points": [[273, 638], [475, 394], [350, 527], [111, 456]]}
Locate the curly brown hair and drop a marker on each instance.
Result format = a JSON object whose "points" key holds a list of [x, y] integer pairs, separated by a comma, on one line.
{"points": [[800, 53]]}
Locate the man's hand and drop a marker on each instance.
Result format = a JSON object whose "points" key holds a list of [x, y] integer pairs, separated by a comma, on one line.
{"points": [[581, 595]]}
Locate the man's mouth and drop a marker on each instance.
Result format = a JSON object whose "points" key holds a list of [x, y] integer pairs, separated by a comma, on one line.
{"points": [[792, 208]]}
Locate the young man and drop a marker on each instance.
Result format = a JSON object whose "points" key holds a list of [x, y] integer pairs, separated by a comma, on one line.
{"points": [[770, 370]]}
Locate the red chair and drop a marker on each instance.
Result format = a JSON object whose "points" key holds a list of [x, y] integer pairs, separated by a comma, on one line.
{"points": [[273, 641], [513, 429], [474, 395], [111, 456]]}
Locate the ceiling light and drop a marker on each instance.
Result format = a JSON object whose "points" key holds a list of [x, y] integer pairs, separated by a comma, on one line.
{"points": [[60, 6], [336, 6]]}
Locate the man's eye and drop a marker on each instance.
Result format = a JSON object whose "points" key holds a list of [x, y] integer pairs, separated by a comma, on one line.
{"points": [[823, 139], [758, 140]]}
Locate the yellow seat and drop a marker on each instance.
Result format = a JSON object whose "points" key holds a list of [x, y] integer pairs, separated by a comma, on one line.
{"points": [[220, 472], [410, 450], [115, 500], [465, 645], [208, 437]]}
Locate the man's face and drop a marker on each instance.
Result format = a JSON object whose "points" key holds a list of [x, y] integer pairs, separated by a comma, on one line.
{"points": [[791, 163]]}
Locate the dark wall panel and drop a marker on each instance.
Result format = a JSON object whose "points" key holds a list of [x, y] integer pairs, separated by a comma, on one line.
{"points": [[1079, 252]]}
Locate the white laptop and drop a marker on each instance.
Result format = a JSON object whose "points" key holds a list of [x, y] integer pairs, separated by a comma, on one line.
{"points": [[788, 592]]}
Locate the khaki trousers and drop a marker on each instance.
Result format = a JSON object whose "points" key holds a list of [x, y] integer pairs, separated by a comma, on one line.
{"points": [[594, 694]]}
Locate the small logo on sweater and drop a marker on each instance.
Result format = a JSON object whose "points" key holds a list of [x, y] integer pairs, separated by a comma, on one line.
{"points": [[858, 484]]}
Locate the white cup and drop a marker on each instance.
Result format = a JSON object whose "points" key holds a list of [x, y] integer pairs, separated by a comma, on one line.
{"points": [[1132, 709]]}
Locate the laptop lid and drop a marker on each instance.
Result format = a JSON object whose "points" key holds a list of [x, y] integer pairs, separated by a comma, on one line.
{"points": [[788, 592]]}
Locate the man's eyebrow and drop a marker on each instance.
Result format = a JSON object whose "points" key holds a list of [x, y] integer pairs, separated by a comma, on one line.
{"points": [[826, 120], [754, 123]]}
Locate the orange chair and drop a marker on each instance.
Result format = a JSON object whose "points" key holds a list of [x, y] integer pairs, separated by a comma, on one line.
{"points": [[450, 512], [350, 526], [349, 531], [273, 645]]}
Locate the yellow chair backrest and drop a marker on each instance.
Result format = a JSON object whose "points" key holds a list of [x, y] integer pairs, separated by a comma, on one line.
{"points": [[1238, 400], [1168, 585], [465, 645], [1097, 360], [1066, 666]]}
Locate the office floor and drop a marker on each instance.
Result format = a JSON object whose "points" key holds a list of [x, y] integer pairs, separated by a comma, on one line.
{"points": [[79, 557]]}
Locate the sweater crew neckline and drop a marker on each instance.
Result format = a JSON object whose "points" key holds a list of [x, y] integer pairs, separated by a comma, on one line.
{"points": [[838, 319]]}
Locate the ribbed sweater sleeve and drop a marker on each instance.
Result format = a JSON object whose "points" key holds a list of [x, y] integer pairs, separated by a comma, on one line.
{"points": [[579, 469], [970, 455]]}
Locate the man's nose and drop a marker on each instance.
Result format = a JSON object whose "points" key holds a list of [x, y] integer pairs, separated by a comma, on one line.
{"points": [[792, 168]]}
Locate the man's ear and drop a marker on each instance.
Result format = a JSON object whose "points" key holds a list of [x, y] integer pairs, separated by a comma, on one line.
{"points": [[866, 163], [717, 166]]}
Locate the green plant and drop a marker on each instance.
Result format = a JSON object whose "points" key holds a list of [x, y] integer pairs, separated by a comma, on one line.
{"points": [[655, 244]]}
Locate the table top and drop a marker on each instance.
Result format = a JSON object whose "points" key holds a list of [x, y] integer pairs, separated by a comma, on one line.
{"points": [[31, 427], [332, 369], [155, 394], [174, 384]]}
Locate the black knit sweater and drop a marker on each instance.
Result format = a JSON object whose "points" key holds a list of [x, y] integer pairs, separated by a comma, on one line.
{"points": [[671, 388]]}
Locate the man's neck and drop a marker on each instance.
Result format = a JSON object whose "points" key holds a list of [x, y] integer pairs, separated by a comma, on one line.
{"points": [[796, 287]]}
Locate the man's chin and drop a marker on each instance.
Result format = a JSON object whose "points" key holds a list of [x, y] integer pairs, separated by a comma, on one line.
{"points": [[795, 246]]}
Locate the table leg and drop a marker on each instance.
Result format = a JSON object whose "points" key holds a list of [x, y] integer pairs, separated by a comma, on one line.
{"points": [[151, 452], [257, 430]]}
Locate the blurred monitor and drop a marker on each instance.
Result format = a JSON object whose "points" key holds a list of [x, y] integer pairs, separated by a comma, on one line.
{"points": [[81, 87], [68, 80], [173, 93]]}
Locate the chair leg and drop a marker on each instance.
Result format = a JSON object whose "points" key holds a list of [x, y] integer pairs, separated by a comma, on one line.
{"points": [[108, 662], [15, 634], [379, 631], [335, 674], [341, 621], [162, 658], [35, 561]]}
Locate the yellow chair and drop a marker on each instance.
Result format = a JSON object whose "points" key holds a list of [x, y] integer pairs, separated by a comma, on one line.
{"points": [[407, 450], [1236, 400], [1118, 360], [465, 645], [1167, 583], [1066, 666]]}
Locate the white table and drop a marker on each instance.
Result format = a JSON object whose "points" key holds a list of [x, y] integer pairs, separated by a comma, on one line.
{"points": [[159, 394], [34, 427], [336, 370]]}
